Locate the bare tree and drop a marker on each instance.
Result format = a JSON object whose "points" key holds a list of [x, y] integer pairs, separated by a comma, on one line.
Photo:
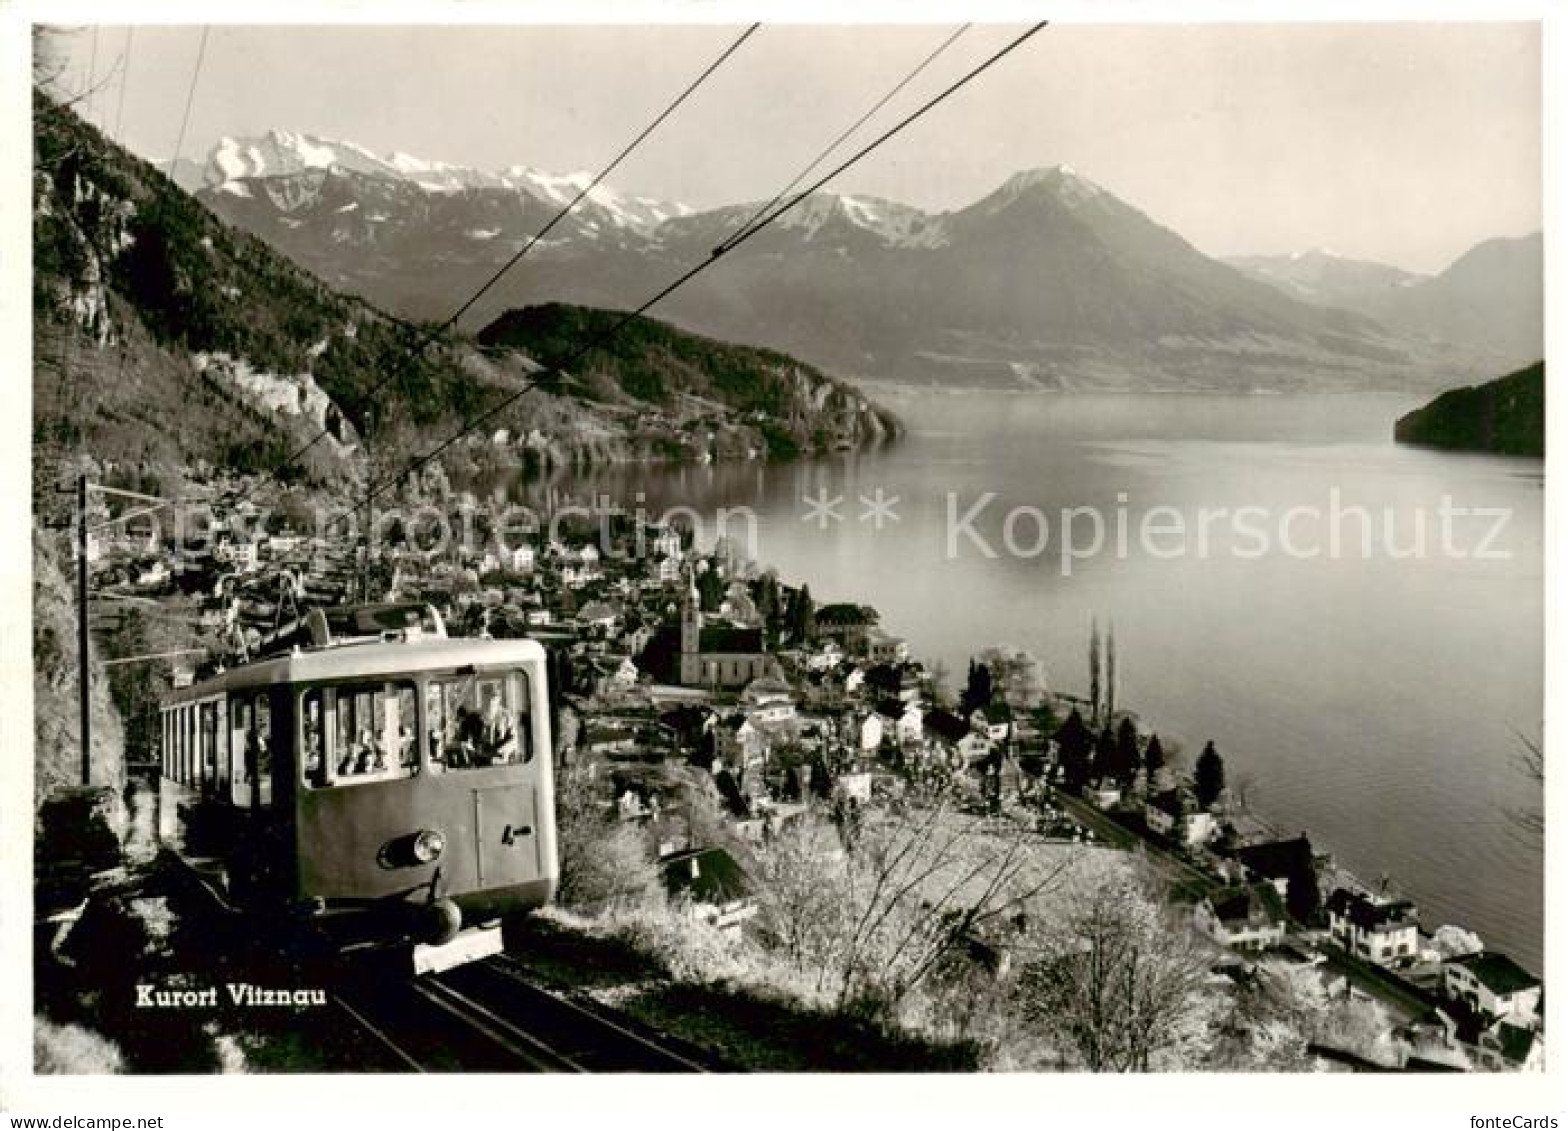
{"points": [[871, 922], [1120, 984]]}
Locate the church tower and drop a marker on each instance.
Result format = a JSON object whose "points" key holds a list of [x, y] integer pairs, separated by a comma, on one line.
{"points": [[691, 634]]}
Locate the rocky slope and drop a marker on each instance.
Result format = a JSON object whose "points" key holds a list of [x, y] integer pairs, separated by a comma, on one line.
{"points": [[150, 309]]}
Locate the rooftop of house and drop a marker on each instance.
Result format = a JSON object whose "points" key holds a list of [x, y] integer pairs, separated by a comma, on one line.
{"points": [[1368, 914], [1250, 905], [769, 686], [1279, 858], [1496, 971], [707, 875], [946, 725], [1514, 1042]]}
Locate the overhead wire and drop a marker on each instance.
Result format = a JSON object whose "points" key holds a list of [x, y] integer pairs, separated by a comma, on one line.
{"points": [[841, 138], [125, 78], [600, 339], [190, 100], [432, 334]]}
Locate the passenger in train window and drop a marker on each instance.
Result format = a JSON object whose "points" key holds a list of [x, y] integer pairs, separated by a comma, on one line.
{"points": [[315, 741], [500, 738], [470, 748]]}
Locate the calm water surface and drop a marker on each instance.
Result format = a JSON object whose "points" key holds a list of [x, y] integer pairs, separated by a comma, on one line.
{"points": [[1375, 701]]}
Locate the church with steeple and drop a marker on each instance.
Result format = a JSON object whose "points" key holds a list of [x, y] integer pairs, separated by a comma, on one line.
{"points": [[720, 656]]}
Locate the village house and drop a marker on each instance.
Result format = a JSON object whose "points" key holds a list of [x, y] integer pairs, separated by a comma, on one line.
{"points": [[1173, 814], [1283, 863], [1244, 916], [768, 700], [1380, 932], [598, 615], [952, 738], [883, 648], [521, 559], [904, 720], [829, 655], [994, 720], [1491, 983], [711, 885], [666, 544], [893, 681], [741, 742], [1104, 794], [1506, 1047], [867, 730], [668, 571]]}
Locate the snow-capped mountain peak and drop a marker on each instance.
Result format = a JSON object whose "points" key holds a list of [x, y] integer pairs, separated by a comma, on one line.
{"points": [[282, 153], [1063, 181]]}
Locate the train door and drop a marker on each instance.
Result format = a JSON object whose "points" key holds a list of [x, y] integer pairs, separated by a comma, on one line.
{"points": [[259, 727], [481, 732]]}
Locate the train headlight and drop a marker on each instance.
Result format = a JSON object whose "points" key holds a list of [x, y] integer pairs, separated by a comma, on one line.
{"points": [[428, 845]]}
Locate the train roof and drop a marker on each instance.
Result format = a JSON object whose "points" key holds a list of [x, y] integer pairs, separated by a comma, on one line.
{"points": [[346, 661]]}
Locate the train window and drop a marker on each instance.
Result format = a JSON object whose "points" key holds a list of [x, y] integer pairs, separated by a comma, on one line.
{"points": [[209, 746], [264, 740], [220, 745], [242, 720], [478, 720], [364, 733], [313, 738], [251, 750]]}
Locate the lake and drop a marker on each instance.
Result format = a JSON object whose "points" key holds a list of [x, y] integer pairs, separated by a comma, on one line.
{"points": [[1365, 661]]}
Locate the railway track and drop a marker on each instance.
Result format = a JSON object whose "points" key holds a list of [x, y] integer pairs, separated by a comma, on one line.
{"points": [[491, 1016]]}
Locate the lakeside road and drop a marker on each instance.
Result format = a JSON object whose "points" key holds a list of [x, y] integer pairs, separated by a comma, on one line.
{"points": [[1405, 1000], [1185, 878]]}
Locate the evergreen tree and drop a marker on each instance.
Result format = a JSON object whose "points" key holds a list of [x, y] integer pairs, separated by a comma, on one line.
{"points": [[981, 689], [1127, 752], [1074, 744], [769, 607], [1094, 671], [710, 590], [803, 617], [1153, 758], [1110, 676], [1107, 756], [1209, 776]]}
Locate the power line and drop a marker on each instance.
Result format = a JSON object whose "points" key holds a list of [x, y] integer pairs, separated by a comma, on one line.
{"points": [[882, 138], [125, 78], [190, 100], [92, 71], [430, 335], [741, 237], [840, 139]]}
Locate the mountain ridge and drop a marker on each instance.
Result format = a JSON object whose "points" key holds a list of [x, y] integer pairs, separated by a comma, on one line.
{"points": [[1049, 281]]}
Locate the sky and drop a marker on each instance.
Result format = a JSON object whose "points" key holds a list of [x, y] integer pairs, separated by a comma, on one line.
{"points": [[1403, 143]]}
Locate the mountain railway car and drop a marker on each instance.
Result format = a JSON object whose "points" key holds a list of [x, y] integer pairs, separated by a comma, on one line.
{"points": [[392, 789]]}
